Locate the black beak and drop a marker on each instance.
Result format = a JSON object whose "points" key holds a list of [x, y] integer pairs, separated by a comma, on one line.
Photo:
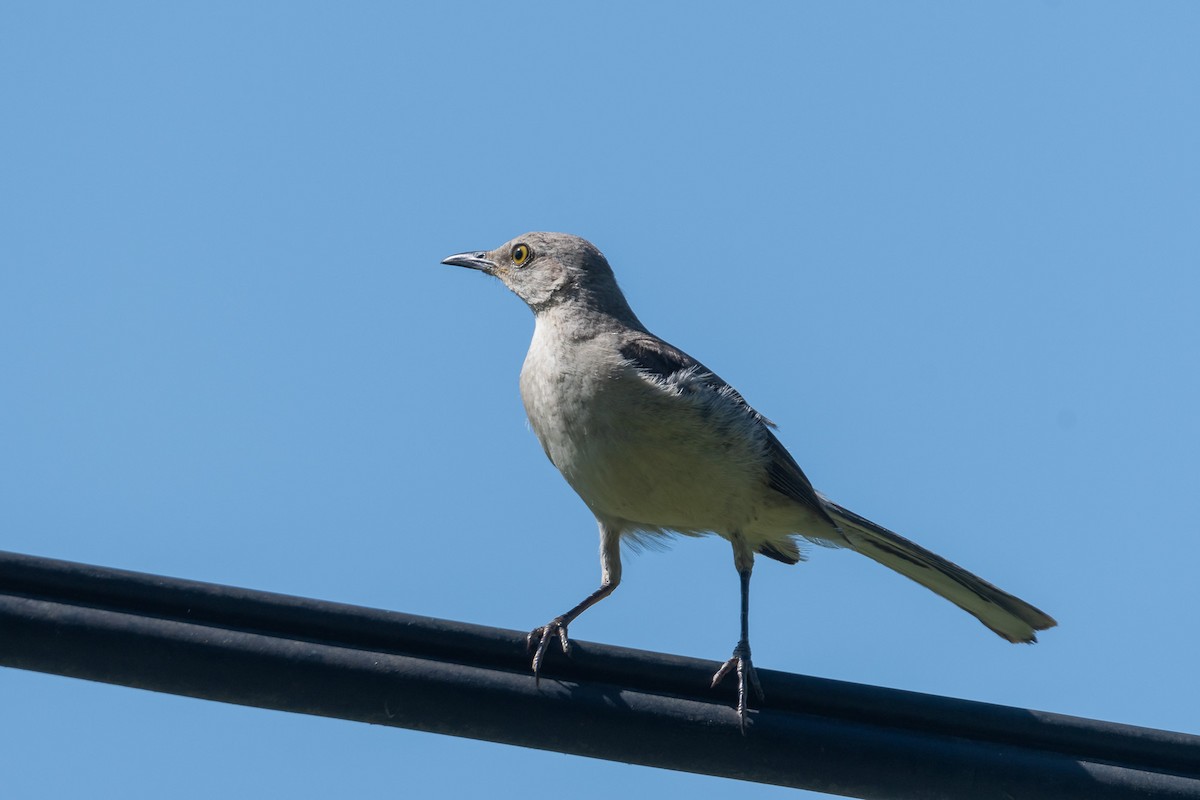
{"points": [[478, 261]]}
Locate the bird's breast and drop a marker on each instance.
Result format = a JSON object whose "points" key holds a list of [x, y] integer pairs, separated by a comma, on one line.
{"points": [[636, 451]]}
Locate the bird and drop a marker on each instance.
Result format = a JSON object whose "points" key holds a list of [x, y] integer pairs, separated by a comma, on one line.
{"points": [[655, 444]]}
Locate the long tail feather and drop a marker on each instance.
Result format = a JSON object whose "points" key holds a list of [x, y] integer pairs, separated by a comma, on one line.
{"points": [[1008, 616]]}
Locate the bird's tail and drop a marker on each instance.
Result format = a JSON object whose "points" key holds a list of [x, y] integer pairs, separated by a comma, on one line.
{"points": [[1008, 616]]}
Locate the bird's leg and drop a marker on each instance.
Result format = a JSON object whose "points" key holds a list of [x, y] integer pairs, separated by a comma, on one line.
{"points": [[539, 639], [740, 661]]}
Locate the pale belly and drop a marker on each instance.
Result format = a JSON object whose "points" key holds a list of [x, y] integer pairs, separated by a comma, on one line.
{"points": [[653, 460]]}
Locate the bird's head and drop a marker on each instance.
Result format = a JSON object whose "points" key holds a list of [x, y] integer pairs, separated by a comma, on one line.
{"points": [[547, 269]]}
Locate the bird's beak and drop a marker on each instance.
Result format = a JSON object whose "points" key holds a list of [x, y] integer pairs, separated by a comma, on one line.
{"points": [[478, 261]]}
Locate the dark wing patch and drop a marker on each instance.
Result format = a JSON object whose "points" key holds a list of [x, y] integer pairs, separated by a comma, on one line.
{"points": [[770, 552], [656, 358], [785, 476]]}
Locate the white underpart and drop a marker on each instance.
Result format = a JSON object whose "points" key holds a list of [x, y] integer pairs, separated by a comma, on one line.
{"points": [[647, 454]]}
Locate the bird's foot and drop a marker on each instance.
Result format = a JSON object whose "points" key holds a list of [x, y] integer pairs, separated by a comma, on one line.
{"points": [[539, 639], [746, 676]]}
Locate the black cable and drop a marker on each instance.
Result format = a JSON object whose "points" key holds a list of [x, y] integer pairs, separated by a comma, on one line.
{"points": [[308, 656]]}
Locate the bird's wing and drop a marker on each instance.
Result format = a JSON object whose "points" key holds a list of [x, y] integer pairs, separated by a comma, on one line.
{"points": [[670, 365], [786, 477]]}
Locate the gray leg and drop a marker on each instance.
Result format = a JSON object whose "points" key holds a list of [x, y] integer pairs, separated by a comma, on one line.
{"points": [[740, 661], [610, 577]]}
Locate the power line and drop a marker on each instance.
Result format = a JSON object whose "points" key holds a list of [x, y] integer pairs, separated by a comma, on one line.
{"points": [[313, 657]]}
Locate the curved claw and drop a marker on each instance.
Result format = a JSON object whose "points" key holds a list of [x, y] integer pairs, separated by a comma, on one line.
{"points": [[539, 639], [747, 678]]}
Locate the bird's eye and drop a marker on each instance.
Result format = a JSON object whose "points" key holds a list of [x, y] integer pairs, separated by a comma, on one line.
{"points": [[520, 254]]}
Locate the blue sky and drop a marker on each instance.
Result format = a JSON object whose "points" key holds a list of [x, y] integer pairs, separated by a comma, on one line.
{"points": [[950, 248]]}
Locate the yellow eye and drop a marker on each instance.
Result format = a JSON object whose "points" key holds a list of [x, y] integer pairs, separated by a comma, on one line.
{"points": [[520, 254]]}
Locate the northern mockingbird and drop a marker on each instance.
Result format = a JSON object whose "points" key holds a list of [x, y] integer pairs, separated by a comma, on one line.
{"points": [[654, 442]]}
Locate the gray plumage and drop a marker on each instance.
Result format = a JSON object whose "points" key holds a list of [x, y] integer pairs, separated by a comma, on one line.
{"points": [[654, 442]]}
